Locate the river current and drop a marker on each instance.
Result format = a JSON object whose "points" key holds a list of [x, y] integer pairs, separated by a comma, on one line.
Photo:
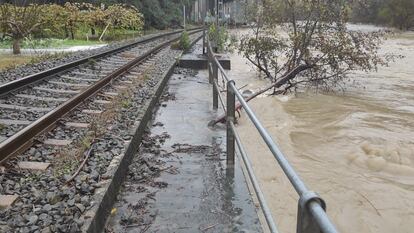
{"points": [[354, 148]]}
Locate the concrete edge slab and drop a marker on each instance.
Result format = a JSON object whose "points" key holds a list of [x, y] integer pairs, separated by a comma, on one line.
{"points": [[77, 125], [91, 112], [7, 200], [57, 142], [200, 62], [109, 192], [38, 166]]}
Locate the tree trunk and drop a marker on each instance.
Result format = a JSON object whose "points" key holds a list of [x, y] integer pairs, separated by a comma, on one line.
{"points": [[93, 32], [104, 31], [16, 46], [66, 33]]}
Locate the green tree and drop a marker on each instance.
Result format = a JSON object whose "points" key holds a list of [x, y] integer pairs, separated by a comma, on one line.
{"points": [[398, 13], [162, 13], [53, 20], [93, 16], [395, 13], [308, 44], [123, 16], [153, 13], [366, 11], [18, 22], [157, 13], [72, 18]]}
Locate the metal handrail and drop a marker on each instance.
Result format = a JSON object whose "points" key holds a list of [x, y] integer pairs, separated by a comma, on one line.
{"points": [[312, 217], [262, 201], [317, 211], [220, 98]]}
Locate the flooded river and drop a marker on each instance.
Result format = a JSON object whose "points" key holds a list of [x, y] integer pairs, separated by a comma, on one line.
{"points": [[356, 149]]}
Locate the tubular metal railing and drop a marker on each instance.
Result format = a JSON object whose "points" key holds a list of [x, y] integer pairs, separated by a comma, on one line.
{"points": [[311, 217]]}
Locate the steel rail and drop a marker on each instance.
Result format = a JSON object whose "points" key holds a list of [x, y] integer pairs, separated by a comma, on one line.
{"points": [[30, 79], [23, 138]]}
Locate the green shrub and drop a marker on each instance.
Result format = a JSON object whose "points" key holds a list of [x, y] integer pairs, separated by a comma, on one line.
{"points": [[183, 44], [184, 41], [218, 36]]}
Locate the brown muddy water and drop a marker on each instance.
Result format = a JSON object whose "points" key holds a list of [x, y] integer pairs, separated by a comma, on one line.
{"points": [[356, 149]]}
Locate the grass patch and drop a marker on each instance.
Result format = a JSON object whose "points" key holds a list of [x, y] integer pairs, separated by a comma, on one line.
{"points": [[12, 61], [48, 43], [126, 103], [65, 163]]}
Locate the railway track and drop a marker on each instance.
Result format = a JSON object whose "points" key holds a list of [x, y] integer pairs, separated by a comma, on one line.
{"points": [[66, 186], [35, 104]]}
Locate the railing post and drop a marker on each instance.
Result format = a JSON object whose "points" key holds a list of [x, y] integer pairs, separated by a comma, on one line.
{"points": [[204, 40], [306, 223], [231, 102], [215, 81], [209, 66]]}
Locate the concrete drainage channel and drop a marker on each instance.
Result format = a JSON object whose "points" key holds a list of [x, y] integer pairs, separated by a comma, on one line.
{"points": [[107, 193], [178, 180]]}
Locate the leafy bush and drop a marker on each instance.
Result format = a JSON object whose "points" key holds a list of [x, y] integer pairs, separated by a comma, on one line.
{"points": [[219, 37], [182, 44], [52, 20], [185, 41]]}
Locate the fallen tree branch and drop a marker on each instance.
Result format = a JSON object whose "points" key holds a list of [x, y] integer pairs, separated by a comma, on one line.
{"points": [[81, 166], [292, 74], [138, 225], [207, 227]]}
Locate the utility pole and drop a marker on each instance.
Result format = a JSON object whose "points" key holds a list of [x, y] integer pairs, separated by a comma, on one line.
{"points": [[217, 12], [206, 8], [184, 14]]}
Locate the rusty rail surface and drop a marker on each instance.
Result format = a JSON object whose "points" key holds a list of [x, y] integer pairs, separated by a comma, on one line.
{"points": [[24, 137]]}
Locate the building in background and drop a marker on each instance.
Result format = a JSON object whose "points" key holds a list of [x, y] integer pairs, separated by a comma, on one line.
{"points": [[230, 11], [201, 9], [234, 11]]}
